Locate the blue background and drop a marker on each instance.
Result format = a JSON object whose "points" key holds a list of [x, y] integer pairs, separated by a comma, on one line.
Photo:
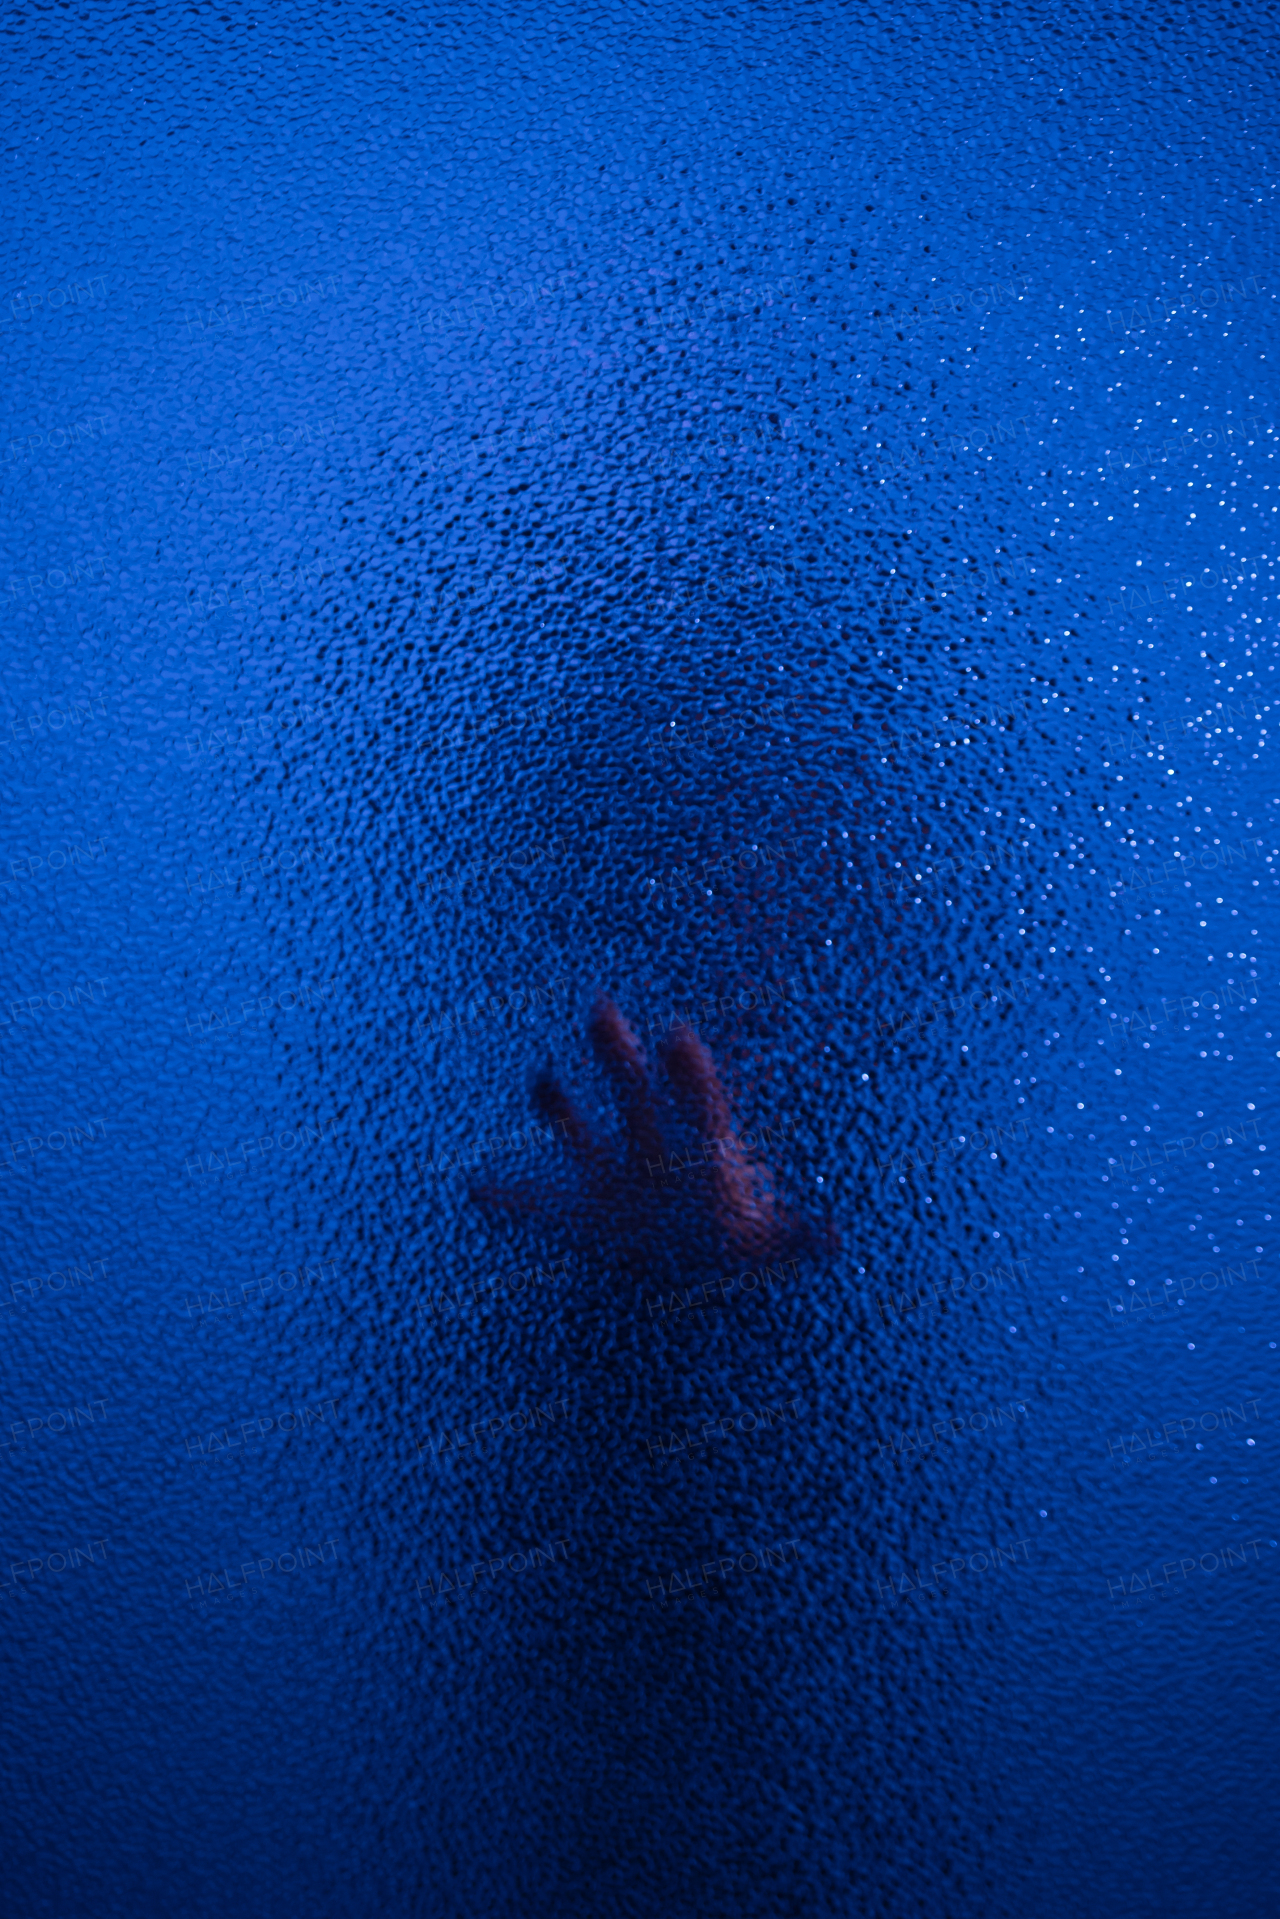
{"points": [[514, 504]]}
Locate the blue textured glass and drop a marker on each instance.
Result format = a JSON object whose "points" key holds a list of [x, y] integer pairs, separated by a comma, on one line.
{"points": [[639, 1043]]}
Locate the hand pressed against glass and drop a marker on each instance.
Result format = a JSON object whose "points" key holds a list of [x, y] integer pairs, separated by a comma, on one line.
{"points": [[623, 1187]]}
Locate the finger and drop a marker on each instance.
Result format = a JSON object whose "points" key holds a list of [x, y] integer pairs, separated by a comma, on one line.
{"points": [[745, 1204], [622, 1056], [616, 1045], [743, 1199], [692, 1072], [555, 1105]]}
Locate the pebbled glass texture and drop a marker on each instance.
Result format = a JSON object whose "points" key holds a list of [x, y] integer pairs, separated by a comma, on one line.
{"points": [[640, 879]]}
